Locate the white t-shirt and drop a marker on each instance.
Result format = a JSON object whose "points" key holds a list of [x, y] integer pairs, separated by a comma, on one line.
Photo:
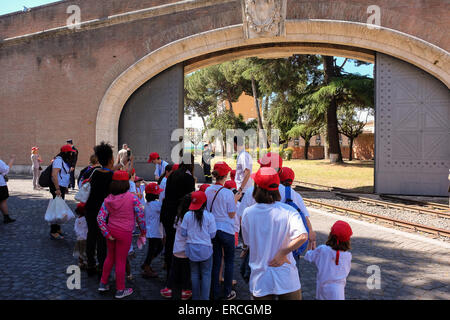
{"points": [[195, 233], [64, 173], [141, 193], [160, 168], [179, 245], [244, 161], [266, 228], [152, 219], [331, 278], [162, 185], [4, 169], [248, 200], [223, 205]]}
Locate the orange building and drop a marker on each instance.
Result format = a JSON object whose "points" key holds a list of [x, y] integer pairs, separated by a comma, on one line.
{"points": [[245, 106]]}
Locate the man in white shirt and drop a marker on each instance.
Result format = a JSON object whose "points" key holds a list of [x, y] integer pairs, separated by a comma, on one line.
{"points": [[4, 194], [244, 165], [160, 164], [122, 156]]}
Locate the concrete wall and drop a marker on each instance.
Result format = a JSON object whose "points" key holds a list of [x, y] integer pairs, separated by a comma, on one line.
{"points": [[412, 130]]}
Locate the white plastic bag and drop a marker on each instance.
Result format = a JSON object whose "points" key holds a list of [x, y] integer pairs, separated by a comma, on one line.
{"points": [[58, 212], [83, 193]]}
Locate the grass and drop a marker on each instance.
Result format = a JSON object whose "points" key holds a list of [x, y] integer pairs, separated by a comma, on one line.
{"points": [[356, 175]]}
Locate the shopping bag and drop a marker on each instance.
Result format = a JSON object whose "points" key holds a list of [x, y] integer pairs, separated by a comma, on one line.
{"points": [[58, 212], [141, 242]]}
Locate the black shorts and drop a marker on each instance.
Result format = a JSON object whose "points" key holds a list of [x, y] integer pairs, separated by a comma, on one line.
{"points": [[4, 194]]}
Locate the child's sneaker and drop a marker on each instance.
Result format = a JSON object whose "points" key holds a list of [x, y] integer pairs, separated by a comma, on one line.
{"points": [[123, 293], [103, 287], [186, 294], [166, 293]]}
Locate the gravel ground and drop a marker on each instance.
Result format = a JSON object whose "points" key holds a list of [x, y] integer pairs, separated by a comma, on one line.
{"points": [[409, 216]]}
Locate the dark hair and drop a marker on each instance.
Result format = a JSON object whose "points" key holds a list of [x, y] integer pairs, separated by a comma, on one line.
{"points": [[104, 153], [149, 197], [93, 159], [215, 174], [183, 207], [287, 183], [198, 214], [167, 169], [66, 156], [188, 166], [265, 196], [235, 139], [119, 187], [341, 246]]}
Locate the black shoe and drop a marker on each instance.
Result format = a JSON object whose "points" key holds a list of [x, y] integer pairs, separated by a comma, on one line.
{"points": [[7, 219]]}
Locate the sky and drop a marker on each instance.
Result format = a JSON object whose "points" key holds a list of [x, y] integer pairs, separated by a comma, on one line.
{"points": [[8, 6]]}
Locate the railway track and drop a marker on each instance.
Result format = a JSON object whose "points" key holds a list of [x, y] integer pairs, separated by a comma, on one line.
{"points": [[431, 205], [387, 204], [376, 217]]}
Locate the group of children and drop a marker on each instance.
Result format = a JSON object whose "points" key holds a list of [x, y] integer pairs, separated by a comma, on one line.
{"points": [[207, 224]]}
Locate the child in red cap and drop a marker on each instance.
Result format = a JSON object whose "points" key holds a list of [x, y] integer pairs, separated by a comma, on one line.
{"points": [[121, 209], [199, 227], [333, 262], [155, 230]]}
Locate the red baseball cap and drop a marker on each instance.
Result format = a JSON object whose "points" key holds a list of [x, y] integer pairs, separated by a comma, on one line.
{"points": [[266, 178], [153, 188], [342, 231], [232, 174], [222, 168], [34, 148], [198, 198], [153, 156], [230, 184], [137, 179], [175, 167], [203, 187], [286, 174], [67, 148], [120, 175], [133, 171], [271, 159]]}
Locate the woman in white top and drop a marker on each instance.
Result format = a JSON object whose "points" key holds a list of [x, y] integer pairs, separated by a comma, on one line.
{"points": [[61, 181], [35, 166], [272, 230], [222, 204], [4, 194]]}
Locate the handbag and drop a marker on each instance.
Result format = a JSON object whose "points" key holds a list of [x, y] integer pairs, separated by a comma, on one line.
{"points": [[58, 212], [85, 190]]}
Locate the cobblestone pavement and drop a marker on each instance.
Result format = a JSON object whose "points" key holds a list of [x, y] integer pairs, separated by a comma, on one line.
{"points": [[34, 267]]}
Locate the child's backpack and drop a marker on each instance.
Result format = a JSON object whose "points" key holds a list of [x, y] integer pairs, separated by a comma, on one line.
{"points": [[292, 204]]}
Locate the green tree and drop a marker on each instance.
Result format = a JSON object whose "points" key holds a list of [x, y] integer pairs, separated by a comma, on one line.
{"points": [[337, 89], [350, 125], [306, 131], [198, 99]]}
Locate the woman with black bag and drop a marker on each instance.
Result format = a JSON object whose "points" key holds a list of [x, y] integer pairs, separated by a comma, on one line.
{"points": [[180, 183]]}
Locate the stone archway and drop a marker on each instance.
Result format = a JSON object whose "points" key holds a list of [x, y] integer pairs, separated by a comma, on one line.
{"points": [[422, 54]]}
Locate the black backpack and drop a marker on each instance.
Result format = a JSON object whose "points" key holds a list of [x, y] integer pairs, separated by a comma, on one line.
{"points": [[45, 179]]}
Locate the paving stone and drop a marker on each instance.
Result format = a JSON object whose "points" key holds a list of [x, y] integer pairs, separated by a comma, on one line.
{"points": [[34, 267]]}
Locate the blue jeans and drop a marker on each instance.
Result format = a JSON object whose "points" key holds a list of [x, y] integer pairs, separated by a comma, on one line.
{"points": [[201, 279], [223, 241]]}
